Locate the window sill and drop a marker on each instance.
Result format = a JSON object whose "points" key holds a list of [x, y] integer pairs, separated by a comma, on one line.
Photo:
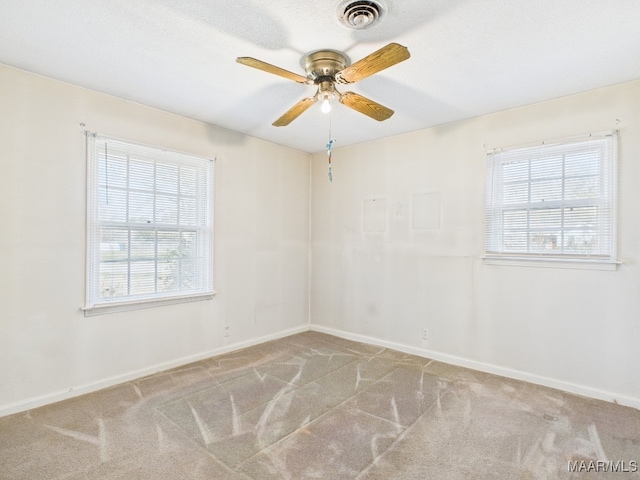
{"points": [[547, 262], [105, 308]]}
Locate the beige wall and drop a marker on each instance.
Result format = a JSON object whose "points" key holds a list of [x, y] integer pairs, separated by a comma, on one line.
{"points": [[47, 345], [577, 330]]}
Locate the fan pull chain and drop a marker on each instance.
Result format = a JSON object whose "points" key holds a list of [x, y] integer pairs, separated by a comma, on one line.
{"points": [[329, 147]]}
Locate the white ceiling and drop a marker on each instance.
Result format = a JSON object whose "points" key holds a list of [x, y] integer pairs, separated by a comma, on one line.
{"points": [[468, 57]]}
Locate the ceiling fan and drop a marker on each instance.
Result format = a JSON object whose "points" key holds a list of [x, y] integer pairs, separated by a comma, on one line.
{"points": [[326, 68]]}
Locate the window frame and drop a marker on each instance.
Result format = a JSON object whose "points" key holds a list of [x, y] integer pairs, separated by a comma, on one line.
{"points": [[606, 231], [196, 236]]}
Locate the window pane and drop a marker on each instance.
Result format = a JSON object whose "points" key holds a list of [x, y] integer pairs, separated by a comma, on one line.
{"points": [[188, 274], [114, 245], [549, 167], [581, 242], [515, 242], [114, 279], [188, 211], [167, 178], [582, 187], [543, 219], [168, 275], [189, 246], [112, 171], [515, 219], [166, 209], [545, 241], [143, 244], [112, 204], [513, 193], [515, 171], [140, 207], [546, 190], [168, 260], [581, 217], [583, 163], [188, 177], [141, 174], [143, 277], [168, 245]]}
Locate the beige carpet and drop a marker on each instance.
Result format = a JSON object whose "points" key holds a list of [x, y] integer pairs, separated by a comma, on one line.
{"points": [[313, 406]]}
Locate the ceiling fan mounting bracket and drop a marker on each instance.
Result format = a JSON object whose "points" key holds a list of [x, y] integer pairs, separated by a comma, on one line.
{"points": [[324, 63]]}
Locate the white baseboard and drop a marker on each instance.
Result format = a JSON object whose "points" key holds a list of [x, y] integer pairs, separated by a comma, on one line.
{"points": [[39, 401], [487, 368]]}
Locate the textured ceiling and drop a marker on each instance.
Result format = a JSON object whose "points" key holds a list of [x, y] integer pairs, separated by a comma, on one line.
{"points": [[468, 57]]}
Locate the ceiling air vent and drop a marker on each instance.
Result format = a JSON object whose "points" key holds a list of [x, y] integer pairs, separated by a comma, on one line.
{"points": [[360, 14]]}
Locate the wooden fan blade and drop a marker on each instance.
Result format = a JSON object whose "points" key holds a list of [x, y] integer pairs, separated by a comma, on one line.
{"points": [[373, 63], [364, 105], [267, 67], [294, 112]]}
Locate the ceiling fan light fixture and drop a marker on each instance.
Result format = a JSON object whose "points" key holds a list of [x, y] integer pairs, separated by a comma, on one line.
{"points": [[326, 93], [360, 14], [326, 106]]}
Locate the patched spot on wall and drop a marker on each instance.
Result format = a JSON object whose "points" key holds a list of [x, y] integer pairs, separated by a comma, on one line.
{"points": [[427, 210], [374, 215]]}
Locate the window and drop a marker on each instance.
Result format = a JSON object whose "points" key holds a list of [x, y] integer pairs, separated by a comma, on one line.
{"points": [[553, 202], [150, 230]]}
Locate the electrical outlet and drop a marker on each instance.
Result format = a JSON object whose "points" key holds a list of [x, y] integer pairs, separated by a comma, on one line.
{"points": [[226, 331], [425, 333]]}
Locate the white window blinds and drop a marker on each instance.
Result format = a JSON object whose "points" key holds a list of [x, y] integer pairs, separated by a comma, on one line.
{"points": [[553, 201], [150, 224]]}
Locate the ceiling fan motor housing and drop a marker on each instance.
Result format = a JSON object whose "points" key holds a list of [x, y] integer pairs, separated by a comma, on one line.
{"points": [[323, 65]]}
